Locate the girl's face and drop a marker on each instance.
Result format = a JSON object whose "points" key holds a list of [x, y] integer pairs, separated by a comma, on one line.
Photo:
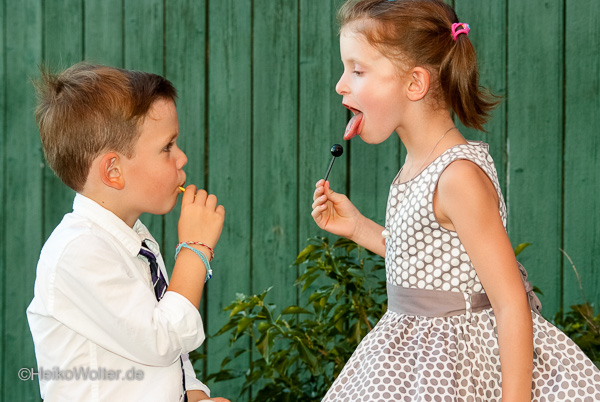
{"points": [[372, 85]]}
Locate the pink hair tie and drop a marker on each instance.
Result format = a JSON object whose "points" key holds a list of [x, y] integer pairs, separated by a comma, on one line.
{"points": [[464, 28]]}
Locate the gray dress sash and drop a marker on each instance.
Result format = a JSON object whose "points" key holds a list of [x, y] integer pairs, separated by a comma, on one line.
{"points": [[434, 303]]}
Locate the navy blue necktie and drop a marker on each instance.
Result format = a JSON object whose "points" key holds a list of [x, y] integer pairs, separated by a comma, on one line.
{"points": [[160, 287], [158, 280]]}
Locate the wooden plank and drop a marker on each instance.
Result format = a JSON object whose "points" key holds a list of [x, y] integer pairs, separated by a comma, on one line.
{"points": [[185, 68], [144, 50], [230, 172], [322, 118], [62, 47], [3, 211], [582, 158], [22, 200], [490, 45], [104, 32], [275, 158], [534, 124]]}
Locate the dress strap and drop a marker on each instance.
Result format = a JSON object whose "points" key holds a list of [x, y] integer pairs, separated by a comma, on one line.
{"points": [[434, 303]]}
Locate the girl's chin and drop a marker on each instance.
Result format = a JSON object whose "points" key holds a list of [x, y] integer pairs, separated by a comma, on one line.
{"points": [[373, 139]]}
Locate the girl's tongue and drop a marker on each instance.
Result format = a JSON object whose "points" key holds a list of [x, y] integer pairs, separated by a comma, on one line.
{"points": [[353, 125]]}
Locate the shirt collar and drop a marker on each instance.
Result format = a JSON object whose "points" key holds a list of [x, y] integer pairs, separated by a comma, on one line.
{"points": [[131, 238]]}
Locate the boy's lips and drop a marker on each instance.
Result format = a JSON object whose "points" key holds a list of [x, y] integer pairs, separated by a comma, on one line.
{"points": [[354, 123]]}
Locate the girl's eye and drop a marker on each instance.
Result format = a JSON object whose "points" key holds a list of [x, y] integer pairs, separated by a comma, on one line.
{"points": [[357, 73]]}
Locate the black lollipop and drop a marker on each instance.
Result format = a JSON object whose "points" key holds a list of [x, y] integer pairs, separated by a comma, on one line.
{"points": [[336, 150]]}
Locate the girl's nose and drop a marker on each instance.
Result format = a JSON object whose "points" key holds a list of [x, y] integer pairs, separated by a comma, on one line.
{"points": [[341, 88]]}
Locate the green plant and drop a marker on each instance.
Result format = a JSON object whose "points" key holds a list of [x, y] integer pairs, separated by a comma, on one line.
{"points": [[302, 349], [580, 323], [295, 355]]}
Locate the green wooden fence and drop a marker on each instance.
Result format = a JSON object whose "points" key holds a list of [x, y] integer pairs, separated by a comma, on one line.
{"points": [[258, 114]]}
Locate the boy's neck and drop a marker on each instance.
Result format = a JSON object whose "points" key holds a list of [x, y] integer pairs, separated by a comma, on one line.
{"points": [[114, 205]]}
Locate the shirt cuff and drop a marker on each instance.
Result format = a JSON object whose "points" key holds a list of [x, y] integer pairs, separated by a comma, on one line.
{"points": [[191, 382]]}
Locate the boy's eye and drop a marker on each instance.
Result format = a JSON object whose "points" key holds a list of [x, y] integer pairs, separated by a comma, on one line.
{"points": [[168, 147]]}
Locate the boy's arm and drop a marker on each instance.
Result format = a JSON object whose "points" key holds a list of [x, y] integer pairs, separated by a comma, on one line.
{"points": [[196, 390], [191, 382], [201, 220], [92, 291]]}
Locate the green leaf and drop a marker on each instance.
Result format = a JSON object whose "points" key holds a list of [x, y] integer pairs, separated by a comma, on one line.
{"points": [[304, 254], [295, 310], [521, 247], [240, 307], [263, 326], [244, 323], [309, 282], [306, 354], [356, 272], [230, 324]]}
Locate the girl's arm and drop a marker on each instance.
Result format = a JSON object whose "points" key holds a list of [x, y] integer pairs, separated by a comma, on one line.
{"points": [[467, 202], [335, 213]]}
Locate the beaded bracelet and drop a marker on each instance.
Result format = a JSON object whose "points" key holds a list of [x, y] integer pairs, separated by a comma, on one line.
{"points": [[199, 254], [212, 251]]}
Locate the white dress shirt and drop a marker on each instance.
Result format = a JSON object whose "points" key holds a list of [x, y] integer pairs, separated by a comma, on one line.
{"points": [[99, 333]]}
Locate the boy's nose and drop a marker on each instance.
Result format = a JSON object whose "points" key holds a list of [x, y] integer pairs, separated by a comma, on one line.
{"points": [[182, 160]]}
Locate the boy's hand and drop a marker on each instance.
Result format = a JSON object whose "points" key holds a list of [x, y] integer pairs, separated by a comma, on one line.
{"points": [[201, 218]]}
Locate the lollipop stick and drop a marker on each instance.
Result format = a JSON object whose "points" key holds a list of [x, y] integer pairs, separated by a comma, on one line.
{"points": [[329, 168]]}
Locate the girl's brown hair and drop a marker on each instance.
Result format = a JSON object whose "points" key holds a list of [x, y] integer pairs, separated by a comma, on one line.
{"points": [[89, 109], [418, 33]]}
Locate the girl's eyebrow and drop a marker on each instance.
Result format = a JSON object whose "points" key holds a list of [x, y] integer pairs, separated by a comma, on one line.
{"points": [[172, 138]]}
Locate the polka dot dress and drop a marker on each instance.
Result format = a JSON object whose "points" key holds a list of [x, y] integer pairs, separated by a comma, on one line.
{"points": [[416, 358]]}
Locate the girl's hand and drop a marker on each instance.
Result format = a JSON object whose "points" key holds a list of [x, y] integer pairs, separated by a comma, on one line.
{"points": [[217, 400], [334, 212], [201, 218]]}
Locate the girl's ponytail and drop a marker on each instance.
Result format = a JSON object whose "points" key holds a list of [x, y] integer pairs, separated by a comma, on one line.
{"points": [[459, 81]]}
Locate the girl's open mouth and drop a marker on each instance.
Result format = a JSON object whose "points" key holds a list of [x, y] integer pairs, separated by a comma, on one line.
{"points": [[354, 123]]}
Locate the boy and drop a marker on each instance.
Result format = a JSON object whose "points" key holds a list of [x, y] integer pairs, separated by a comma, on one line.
{"points": [[103, 324]]}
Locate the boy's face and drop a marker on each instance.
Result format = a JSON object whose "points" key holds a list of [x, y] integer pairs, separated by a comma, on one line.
{"points": [[153, 175]]}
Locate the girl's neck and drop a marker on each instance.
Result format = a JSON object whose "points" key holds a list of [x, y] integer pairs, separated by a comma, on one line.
{"points": [[425, 139]]}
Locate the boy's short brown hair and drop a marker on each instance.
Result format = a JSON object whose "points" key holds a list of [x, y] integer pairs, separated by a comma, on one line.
{"points": [[89, 109]]}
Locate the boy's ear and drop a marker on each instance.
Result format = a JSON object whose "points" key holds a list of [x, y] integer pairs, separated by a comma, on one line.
{"points": [[110, 171], [418, 84]]}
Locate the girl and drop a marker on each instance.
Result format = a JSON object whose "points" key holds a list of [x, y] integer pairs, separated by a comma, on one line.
{"points": [[459, 324]]}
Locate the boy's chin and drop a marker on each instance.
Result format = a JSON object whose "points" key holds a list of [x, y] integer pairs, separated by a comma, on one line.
{"points": [[165, 209]]}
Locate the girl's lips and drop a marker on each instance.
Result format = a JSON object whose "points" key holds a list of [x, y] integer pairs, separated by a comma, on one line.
{"points": [[354, 124]]}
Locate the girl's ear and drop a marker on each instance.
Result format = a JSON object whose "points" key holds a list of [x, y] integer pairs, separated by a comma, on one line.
{"points": [[418, 84], [110, 171]]}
